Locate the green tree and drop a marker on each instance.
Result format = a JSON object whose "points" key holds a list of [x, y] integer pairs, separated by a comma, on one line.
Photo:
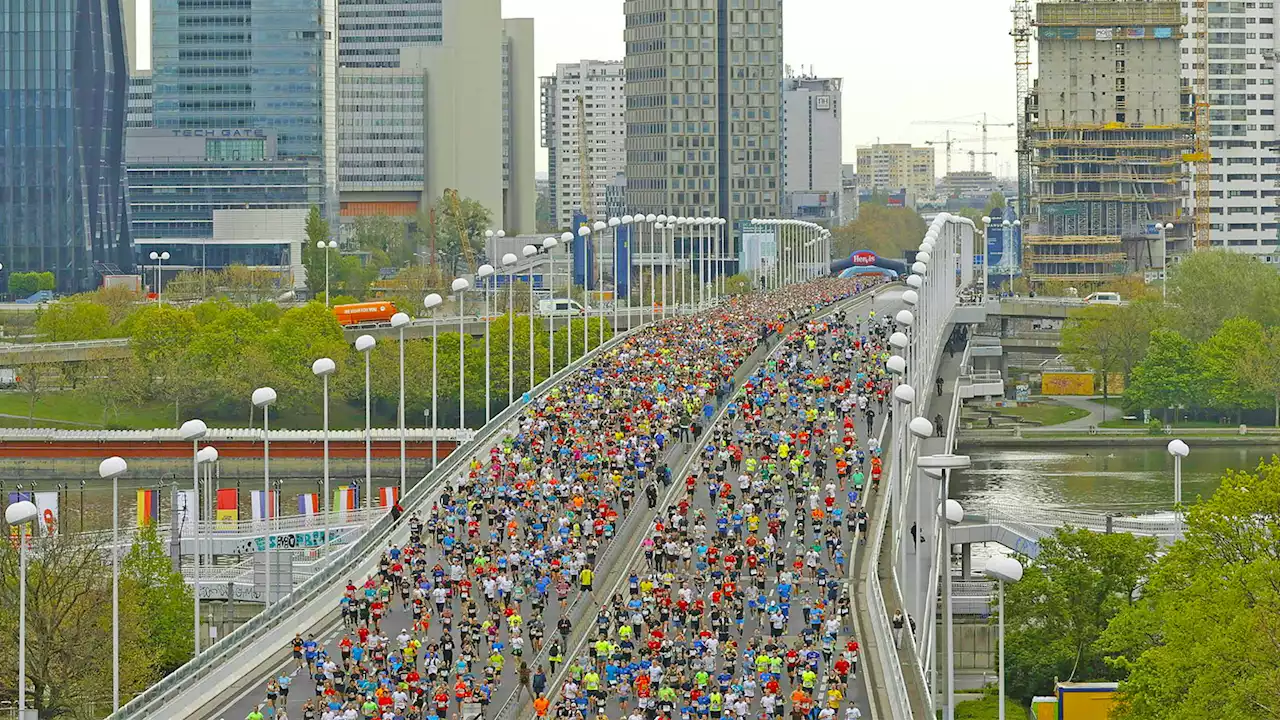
{"points": [[313, 258], [1208, 288], [67, 321], [995, 200], [886, 231], [1226, 385], [1201, 641], [385, 239], [459, 229], [1094, 337], [738, 284], [167, 602], [1058, 611], [1169, 376], [546, 217], [34, 380], [1261, 368]]}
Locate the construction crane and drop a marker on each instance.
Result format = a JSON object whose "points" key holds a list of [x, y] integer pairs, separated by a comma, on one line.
{"points": [[1201, 157], [981, 124], [947, 143], [984, 155], [1022, 65], [584, 167], [455, 206]]}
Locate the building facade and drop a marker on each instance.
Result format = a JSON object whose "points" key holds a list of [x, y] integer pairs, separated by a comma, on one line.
{"points": [[704, 109], [600, 121], [812, 148], [896, 167], [444, 102], [141, 100], [63, 104], [1110, 122], [1242, 124]]}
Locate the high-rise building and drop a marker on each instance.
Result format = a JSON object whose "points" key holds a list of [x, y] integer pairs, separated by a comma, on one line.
{"points": [[244, 97], [1242, 124], [811, 146], [141, 100], [63, 101], [436, 95], [600, 120], [704, 108], [895, 168], [1110, 120]]}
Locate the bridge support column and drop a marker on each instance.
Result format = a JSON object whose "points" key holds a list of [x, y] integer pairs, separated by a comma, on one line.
{"points": [[966, 560]]}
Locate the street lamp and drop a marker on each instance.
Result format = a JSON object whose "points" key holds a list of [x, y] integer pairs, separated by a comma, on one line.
{"points": [[483, 272], [160, 258], [21, 514], [528, 252], [508, 261], [323, 368], [459, 287], [194, 430], [566, 239], [598, 228], [661, 224], [941, 467], [986, 254], [584, 232], [1178, 449], [326, 247], [398, 322], [265, 397], [365, 345], [431, 302], [614, 222], [206, 456], [1003, 570], [635, 239], [111, 469]]}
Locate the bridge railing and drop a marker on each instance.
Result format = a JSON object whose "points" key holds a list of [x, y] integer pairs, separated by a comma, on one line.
{"points": [[230, 434], [270, 623], [1160, 525]]}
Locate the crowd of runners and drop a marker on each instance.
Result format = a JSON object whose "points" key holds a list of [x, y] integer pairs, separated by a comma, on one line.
{"points": [[473, 608]]}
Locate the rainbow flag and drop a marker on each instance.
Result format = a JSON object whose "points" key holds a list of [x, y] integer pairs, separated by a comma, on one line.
{"points": [[228, 510], [148, 507], [389, 496]]}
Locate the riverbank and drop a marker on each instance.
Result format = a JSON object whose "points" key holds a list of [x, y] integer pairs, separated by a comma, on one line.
{"points": [[1104, 439]]}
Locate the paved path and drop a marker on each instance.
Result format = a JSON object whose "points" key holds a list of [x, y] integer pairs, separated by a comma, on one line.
{"points": [[1089, 405]]}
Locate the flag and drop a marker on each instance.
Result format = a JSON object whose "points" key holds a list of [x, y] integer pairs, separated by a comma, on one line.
{"points": [[308, 504], [266, 504], [389, 496], [344, 498], [148, 507], [47, 505], [228, 511]]}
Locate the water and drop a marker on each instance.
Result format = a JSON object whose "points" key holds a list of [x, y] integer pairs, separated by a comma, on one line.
{"points": [[1126, 480]]}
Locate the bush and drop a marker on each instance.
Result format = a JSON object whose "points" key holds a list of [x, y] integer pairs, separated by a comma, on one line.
{"points": [[1155, 427], [25, 284]]}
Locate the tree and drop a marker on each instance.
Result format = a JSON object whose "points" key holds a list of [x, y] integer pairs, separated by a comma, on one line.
{"points": [[1093, 337], [546, 217], [1202, 640], [1260, 366], [738, 284], [1058, 611], [1210, 287], [68, 321], [385, 238], [313, 258], [886, 231], [35, 379], [1169, 376], [167, 602], [1226, 385], [459, 226], [995, 200]]}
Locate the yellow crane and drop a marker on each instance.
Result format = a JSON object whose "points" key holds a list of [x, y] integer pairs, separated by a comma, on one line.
{"points": [[584, 167], [1202, 156]]}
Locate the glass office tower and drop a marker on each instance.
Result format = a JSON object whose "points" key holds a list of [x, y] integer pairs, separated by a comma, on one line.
{"points": [[63, 96]]}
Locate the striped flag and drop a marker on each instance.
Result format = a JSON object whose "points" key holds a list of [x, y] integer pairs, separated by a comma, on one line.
{"points": [[148, 507], [389, 495], [228, 510], [308, 504], [344, 498], [266, 504]]}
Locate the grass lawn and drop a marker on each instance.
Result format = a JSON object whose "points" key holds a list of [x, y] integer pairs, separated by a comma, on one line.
{"points": [[1044, 412], [1182, 424], [988, 709]]}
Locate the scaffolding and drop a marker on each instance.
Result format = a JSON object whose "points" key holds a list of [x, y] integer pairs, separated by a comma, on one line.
{"points": [[1108, 15]]}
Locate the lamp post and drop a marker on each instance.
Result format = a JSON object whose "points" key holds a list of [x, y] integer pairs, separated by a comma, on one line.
{"points": [[1178, 449], [111, 469], [207, 456], [614, 222], [323, 368], [265, 397], [528, 252], [566, 239], [398, 322], [1003, 570], [1164, 260], [364, 345], [194, 430], [483, 272], [948, 513], [986, 254], [459, 287], [584, 232], [598, 229], [21, 514], [326, 247], [508, 261], [659, 245], [431, 302], [159, 258]]}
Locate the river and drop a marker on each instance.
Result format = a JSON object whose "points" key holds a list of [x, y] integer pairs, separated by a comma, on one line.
{"points": [[1126, 480]]}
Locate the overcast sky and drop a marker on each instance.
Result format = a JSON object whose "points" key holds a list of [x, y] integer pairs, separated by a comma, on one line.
{"points": [[902, 61]]}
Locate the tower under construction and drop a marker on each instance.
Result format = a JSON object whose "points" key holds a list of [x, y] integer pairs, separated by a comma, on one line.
{"points": [[1109, 121]]}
